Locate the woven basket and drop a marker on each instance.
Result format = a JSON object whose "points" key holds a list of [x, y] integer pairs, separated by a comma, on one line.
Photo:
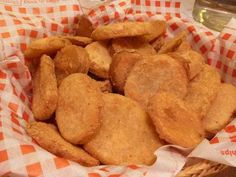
{"points": [[202, 168]]}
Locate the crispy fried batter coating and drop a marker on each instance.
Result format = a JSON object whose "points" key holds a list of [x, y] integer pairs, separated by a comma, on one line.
{"points": [[49, 45], [105, 86], [122, 64], [202, 90], [174, 121], [78, 40], [71, 59], [132, 44], [122, 29], [184, 46], [45, 93], [127, 135], [100, 59], [192, 61], [172, 44], [158, 43], [157, 28], [78, 111], [84, 27], [221, 109], [157, 73], [47, 136]]}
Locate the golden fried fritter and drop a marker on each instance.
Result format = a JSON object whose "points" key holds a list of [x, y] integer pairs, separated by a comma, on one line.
{"points": [[105, 86], [122, 29], [192, 61], [221, 109], [157, 28], [78, 111], [84, 26], [49, 46], [71, 59], [184, 46], [45, 92], [174, 121], [100, 59], [47, 136], [38, 47], [157, 73], [158, 43], [78, 40], [172, 44], [202, 90], [126, 136], [132, 44], [121, 65]]}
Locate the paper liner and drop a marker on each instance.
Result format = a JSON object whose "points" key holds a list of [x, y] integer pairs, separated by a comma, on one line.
{"points": [[21, 22]]}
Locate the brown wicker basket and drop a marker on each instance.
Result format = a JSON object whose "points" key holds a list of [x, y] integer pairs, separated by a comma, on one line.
{"points": [[202, 168]]}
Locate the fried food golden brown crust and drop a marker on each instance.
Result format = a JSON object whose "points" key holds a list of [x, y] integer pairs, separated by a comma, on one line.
{"points": [[48, 46], [132, 44], [157, 73], [78, 111], [121, 65], [157, 28], [192, 61], [78, 40], [100, 59], [105, 86], [47, 136], [172, 44], [184, 46], [127, 135], [84, 26], [174, 121], [45, 92], [158, 43], [221, 109], [71, 59], [122, 29], [202, 90]]}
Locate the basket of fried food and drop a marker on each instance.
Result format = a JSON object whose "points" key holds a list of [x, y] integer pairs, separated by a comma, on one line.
{"points": [[114, 94]]}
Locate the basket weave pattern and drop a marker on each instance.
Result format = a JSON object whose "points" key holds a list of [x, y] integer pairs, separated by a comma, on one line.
{"points": [[203, 168]]}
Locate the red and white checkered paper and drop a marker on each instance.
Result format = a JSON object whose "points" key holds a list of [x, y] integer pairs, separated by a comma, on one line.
{"points": [[23, 21]]}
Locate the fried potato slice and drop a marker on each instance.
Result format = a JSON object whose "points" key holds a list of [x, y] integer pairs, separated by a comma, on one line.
{"points": [[157, 28], [157, 73], [84, 27], [49, 46], [127, 135], [100, 59], [78, 110], [45, 93], [202, 90], [47, 136], [132, 44], [174, 121], [78, 40], [122, 64], [158, 43], [71, 59], [172, 44], [184, 46], [122, 29], [221, 109], [192, 61], [105, 86]]}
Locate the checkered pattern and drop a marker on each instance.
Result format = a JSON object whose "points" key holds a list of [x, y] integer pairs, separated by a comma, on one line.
{"points": [[19, 25], [218, 51], [19, 154]]}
